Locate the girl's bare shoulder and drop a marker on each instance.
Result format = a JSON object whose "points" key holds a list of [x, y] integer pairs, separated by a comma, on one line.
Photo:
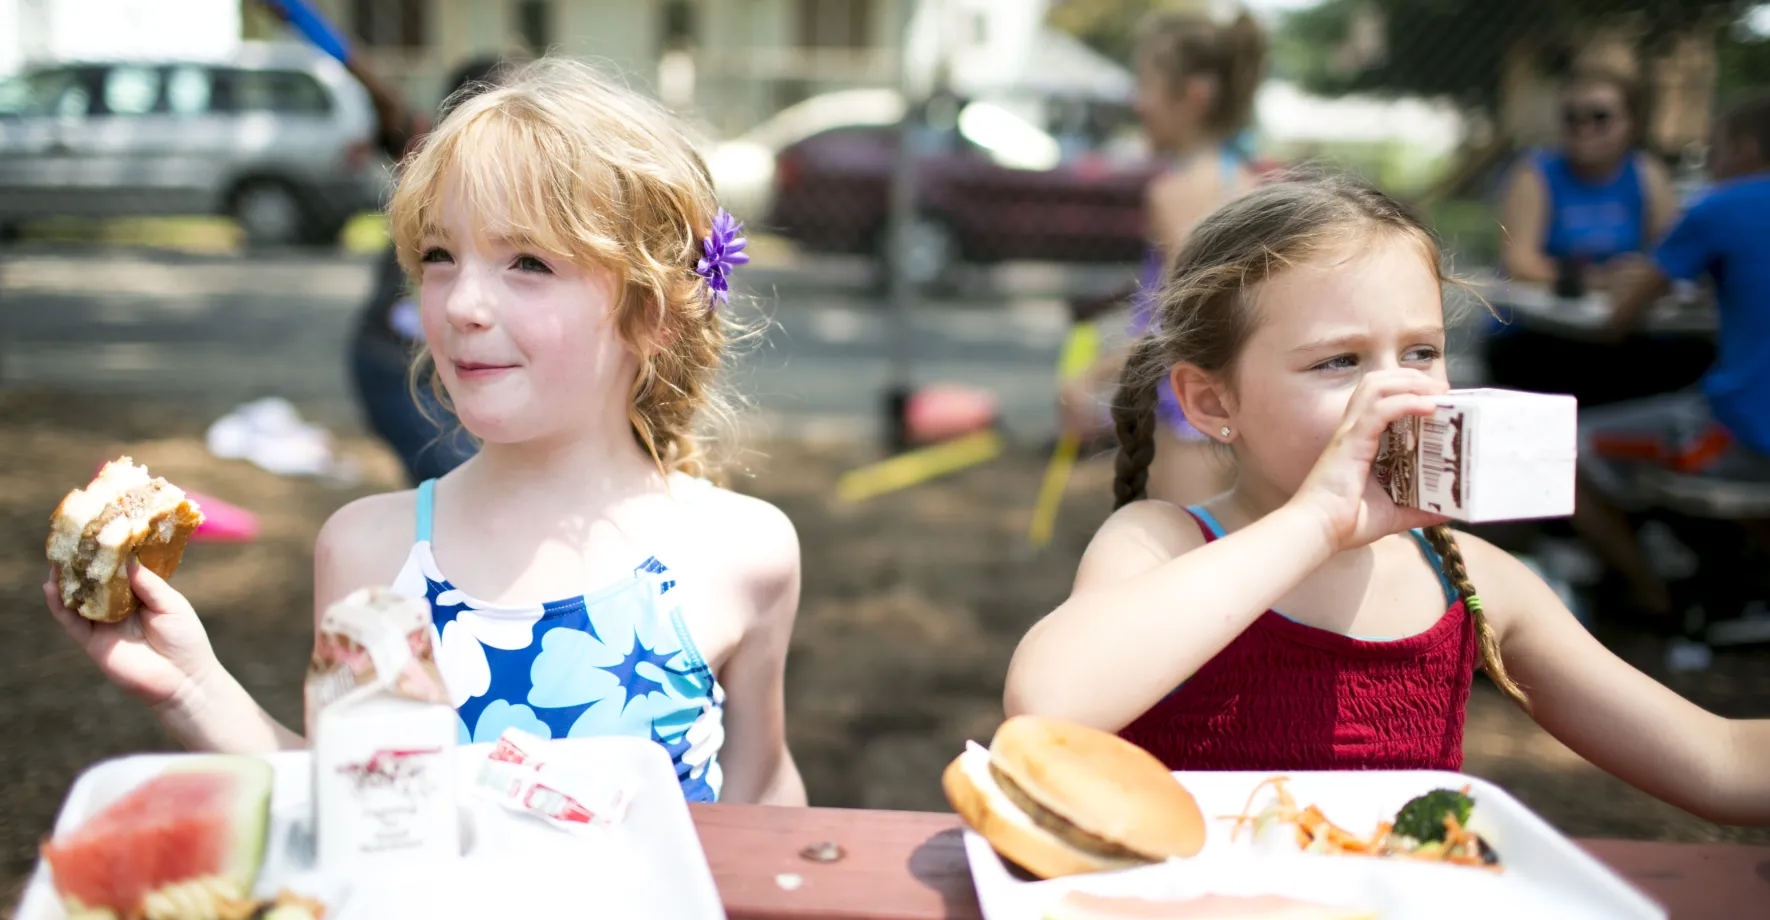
{"points": [[1139, 537], [364, 543], [745, 543], [387, 518]]}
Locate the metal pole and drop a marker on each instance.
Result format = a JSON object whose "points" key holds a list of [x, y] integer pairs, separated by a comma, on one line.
{"points": [[902, 289]]}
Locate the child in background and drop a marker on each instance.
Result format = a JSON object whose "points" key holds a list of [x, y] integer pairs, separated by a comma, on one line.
{"points": [[1196, 80], [584, 579], [419, 429], [1721, 429], [1302, 620]]}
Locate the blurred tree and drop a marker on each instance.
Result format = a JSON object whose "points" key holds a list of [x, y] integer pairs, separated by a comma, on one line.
{"points": [[1460, 50], [1744, 62], [1110, 26]]}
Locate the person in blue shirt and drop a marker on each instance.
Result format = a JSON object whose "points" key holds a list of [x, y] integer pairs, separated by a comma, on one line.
{"points": [[1722, 428], [1591, 207], [1598, 200]]}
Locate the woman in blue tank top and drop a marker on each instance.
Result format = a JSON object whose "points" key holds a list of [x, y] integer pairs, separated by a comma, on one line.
{"points": [[1592, 205], [1597, 197]]}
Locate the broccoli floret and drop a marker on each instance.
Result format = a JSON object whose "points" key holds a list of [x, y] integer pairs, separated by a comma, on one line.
{"points": [[1423, 818]]}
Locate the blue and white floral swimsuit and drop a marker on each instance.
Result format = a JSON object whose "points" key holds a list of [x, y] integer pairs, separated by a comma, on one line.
{"points": [[619, 661]]}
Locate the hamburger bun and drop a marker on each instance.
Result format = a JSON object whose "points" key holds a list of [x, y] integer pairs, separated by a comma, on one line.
{"points": [[122, 514], [1059, 799]]}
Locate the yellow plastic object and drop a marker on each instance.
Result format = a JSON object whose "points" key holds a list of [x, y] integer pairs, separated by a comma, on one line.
{"points": [[1080, 350], [918, 466], [1063, 461]]}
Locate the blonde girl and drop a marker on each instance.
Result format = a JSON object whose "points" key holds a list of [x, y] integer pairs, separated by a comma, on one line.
{"points": [[583, 576]]}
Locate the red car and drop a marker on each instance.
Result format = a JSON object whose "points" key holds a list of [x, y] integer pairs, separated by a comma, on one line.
{"points": [[988, 190]]}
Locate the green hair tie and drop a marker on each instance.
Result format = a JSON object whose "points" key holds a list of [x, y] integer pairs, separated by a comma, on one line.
{"points": [[1472, 602]]}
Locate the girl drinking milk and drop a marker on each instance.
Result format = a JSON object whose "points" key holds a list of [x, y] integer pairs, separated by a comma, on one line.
{"points": [[1301, 620], [584, 578]]}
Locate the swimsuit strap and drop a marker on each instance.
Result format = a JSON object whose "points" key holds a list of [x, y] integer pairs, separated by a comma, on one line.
{"points": [[1432, 558], [426, 506], [1214, 530]]}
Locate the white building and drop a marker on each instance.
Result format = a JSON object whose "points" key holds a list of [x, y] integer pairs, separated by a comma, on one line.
{"points": [[731, 63], [39, 30], [727, 63]]}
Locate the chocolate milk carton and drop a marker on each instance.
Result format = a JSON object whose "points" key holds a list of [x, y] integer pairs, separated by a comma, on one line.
{"points": [[1485, 455], [382, 734]]}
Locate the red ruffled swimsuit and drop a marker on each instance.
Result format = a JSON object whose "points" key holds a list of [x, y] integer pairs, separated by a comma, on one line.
{"points": [[1287, 696]]}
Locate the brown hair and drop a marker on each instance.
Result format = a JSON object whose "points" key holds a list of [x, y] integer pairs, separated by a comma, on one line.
{"points": [[1627, 87], [1748, 119], [1183, 46], [1206, 314], [579, 166]]}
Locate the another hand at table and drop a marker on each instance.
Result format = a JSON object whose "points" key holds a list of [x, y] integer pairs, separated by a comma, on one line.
{"points": [[1616, 277], [158, 655], [1353, 508], [1635, 284]]}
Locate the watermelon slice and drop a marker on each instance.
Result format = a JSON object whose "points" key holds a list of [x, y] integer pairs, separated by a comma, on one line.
{"points": [[202, 820]]}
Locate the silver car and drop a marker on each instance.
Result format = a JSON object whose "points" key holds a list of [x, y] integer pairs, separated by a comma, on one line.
{"points": [[279, 137]]}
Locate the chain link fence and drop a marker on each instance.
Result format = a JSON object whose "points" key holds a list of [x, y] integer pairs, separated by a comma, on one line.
{"points": [[1030, 153]]}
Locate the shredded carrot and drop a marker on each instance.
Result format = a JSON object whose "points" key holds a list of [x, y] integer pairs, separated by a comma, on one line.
{"points": [[1314, 830], [1284, 800]]}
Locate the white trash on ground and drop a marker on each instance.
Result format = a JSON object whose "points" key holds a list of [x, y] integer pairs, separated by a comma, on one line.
{"points": [[270, 433]]}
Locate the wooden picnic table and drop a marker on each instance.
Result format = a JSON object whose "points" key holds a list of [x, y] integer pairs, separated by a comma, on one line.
{"points": [[911, 866]]}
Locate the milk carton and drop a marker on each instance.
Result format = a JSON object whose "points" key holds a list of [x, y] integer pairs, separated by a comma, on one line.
{"points": [[382, 734], [1485, 455]]}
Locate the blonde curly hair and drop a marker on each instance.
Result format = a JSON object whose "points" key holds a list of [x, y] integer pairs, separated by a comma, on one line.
{"points": [[572, 162]]}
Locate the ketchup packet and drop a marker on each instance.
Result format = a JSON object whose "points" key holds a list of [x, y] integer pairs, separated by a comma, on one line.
{"points": [[527, 773]]}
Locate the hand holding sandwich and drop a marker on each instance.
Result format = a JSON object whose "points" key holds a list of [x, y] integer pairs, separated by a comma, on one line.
{"points": [[162, 656], [156, 656], [111, 547]]}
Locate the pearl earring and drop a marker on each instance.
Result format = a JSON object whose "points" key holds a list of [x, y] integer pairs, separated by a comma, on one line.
{"points": [[1224, 431]]}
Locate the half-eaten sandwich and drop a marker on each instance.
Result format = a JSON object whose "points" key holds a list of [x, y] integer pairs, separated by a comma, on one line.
{"points": [[1058, 798], [121, 515]]}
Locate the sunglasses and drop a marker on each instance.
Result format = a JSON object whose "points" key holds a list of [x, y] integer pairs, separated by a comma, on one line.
{"points": [[1577, 117]]}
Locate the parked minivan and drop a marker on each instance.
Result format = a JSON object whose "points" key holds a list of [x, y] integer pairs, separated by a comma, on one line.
{"points": [[277, 136]]}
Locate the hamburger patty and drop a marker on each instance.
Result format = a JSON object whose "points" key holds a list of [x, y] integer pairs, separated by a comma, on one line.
{"points": [[138, 502], [1059, 826]]}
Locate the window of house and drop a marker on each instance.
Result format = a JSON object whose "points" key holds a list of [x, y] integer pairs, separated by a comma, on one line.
{"points": [[534, 23], [678, 23], [391, 23], [835, 23]]}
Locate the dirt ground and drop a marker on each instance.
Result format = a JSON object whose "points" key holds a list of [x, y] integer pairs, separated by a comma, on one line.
{"points": [[912, 606]]}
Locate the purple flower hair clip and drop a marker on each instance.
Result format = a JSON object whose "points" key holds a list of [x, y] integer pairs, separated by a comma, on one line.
{"points": [[721, 251]]}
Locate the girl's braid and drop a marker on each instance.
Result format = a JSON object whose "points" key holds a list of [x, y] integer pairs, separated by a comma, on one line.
{"points": [[1486, 641], [1133, 419]]}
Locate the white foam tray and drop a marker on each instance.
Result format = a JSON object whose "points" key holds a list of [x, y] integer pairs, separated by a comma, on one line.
{"points": [[1546, 875], [650, 865]]}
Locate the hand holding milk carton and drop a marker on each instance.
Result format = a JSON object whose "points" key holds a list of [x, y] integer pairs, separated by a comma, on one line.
{"points": [[1485, 455]]}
